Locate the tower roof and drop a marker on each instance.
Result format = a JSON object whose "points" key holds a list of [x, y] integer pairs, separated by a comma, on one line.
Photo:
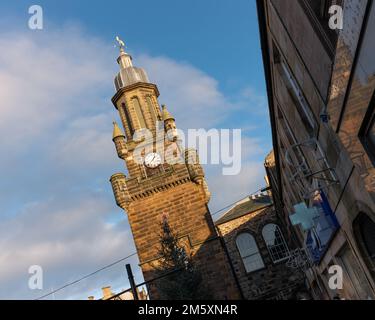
{"points": [[117, 131], [124, 59], [128, 74], [165, 113]]}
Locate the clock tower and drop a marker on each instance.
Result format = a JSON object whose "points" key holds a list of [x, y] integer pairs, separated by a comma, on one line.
{"points": [[155, 185]]}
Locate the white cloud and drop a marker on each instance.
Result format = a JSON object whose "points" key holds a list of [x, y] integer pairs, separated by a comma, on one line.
{"points": [[44, 84], [191, 95], [65, 239], [227, 189], [56, 202], [87, 142]]}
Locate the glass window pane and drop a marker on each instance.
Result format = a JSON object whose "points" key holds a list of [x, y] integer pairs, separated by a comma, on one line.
{"points": [[275, 242], [249, 252], [152, 109], [246, 244], [371, 133], [253, 263], [138, 111]]}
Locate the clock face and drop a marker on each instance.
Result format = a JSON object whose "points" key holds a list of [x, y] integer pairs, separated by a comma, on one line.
{"points": [[152, 160]]}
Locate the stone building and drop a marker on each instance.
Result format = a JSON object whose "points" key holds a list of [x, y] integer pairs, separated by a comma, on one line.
{"points": [[128, 295], [259, 251], [155, 186], [320, 84]]}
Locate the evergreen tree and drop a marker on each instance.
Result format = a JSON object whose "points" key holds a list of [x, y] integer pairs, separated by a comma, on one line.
{"points": [[182, 280]]}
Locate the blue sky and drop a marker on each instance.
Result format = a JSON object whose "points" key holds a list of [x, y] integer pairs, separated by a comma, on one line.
{"points": [[56, 205]]}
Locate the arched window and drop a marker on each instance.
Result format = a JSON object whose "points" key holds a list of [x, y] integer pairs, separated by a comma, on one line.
{"points": [[138, 112], [249, 252], [275, 242], [126, 116], [365, 233], [152, 109]]}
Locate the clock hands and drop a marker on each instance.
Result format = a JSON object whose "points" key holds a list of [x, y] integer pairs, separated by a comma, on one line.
{"points": [[152, 160]]}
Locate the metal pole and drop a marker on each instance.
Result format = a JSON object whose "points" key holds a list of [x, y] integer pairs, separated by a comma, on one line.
{"points": [[131, 281]]}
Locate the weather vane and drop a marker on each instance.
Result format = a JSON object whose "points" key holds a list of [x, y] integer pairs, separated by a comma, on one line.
{"points": [[120, 42]]}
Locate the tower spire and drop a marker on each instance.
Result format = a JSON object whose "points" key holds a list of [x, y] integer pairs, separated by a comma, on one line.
{"points": [[165, 113], [118, 139], [128, 74], [124, 59], [117, 131]]}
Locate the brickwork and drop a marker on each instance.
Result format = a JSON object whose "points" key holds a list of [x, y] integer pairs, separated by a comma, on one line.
{"points": [[274, 279]]}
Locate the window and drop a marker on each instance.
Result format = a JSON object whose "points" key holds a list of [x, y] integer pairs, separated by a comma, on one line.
{"points": [[275, 242], [295, 92], [249, 252], [371, 133], [152, 109], [364, 232], [127, 119], [294, 158], [369, 137], [317, 11], [367, 231], [298, 98], [138, 111], [367, 130]]}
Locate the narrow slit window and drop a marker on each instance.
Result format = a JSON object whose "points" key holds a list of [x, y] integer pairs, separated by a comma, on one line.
{"points": [[138, 112]]}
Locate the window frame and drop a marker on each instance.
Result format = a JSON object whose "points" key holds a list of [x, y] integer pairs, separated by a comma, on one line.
{"points": [[151, 107], [137, 107], [128, 120], [367, 124], [257, 253], [319, 21], [284, 244]]}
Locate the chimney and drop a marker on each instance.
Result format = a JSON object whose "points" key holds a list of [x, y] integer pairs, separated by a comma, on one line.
{"points": [[107, 293]]}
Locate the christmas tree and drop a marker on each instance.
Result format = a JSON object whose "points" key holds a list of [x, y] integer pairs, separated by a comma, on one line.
{"points": [[182, 280]]}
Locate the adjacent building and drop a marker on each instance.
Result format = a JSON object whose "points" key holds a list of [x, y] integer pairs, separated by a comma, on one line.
{"points": [[320, 83], [108, 294], [259, 251]]}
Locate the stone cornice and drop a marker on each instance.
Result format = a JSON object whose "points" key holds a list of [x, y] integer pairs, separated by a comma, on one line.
{"points": [[120, 92], [158, 188]]}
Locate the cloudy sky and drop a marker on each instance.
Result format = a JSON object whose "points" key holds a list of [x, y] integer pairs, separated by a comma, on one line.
{"points": [[56, 204]]}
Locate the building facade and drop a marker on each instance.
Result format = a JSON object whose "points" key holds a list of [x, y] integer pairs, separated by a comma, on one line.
{"points": [[156, 185], [259, 251], [320, 83], [125, 295]]}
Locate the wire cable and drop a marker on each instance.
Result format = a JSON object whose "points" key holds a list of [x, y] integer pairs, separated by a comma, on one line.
{"points": [[130, 255]]}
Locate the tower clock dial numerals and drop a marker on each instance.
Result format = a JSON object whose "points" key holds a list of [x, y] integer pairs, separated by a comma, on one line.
{"points": [[152, 160]]}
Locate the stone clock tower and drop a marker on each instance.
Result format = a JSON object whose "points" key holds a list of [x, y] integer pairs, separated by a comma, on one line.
{"points": [[154, 186]]}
